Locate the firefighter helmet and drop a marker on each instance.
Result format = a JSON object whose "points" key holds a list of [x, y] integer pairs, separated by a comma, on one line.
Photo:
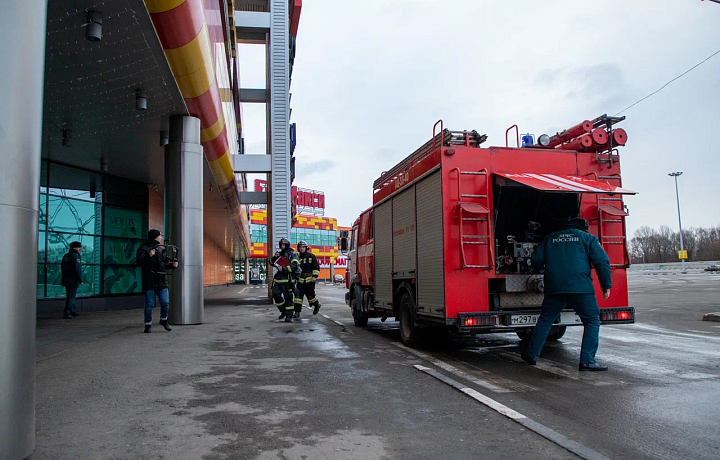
{"points": [[301, 244], [284, 241]]}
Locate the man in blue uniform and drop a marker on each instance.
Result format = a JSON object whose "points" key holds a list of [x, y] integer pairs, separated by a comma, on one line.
{"points": [[568, 257], [71, 269]]}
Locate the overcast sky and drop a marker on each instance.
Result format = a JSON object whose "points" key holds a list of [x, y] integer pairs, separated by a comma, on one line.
{"points": [[372, 77]]}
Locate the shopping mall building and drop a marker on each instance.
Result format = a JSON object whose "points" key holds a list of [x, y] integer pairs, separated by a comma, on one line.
{"points": [[322, 235], [120, 116]]}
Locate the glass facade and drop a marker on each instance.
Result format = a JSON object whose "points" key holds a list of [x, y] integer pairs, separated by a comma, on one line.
{"points": [[107, 215]]}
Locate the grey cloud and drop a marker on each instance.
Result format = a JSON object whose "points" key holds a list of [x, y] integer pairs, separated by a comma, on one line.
{"points": [[308, 168]]}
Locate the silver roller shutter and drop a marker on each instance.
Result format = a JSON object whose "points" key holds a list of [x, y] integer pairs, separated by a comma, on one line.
{"points": [[383, 252], [404, 233], [430, 278]]}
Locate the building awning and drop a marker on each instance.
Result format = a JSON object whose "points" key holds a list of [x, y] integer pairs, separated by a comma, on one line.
{"points": [[564, 184]]}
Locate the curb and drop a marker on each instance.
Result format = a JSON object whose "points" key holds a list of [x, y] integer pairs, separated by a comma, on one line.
{"points": [[715, 317]]}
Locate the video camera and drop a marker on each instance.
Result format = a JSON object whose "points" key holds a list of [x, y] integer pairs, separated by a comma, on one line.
{"points": [[164, 260]]}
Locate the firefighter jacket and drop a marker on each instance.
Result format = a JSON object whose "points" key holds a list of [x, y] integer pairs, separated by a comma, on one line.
{"points": [[292, 271], [71, 269], [151, 280], [568, 257], [309, 267]]}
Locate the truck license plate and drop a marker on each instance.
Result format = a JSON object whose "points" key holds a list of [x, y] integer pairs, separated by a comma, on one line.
{"points": [[523, 319]]}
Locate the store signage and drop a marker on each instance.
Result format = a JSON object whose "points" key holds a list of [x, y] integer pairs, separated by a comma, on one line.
{"points": [[124, 223], [303, 198]]}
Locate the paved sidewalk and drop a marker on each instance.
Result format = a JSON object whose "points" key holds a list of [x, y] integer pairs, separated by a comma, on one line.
{"points": [[245, 386]]}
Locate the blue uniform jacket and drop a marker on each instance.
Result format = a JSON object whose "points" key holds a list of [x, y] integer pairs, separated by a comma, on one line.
{"points": [[568, 257], [71, 269]]}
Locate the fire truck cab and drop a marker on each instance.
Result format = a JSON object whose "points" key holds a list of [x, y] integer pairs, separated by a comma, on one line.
{"points": [[447, 244]]}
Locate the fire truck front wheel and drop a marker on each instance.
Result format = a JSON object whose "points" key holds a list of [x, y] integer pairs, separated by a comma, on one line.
{"points": [[411, 334], [360, 318]]}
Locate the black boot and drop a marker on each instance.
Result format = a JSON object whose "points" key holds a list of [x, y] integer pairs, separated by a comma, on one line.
{"points": [[297, 315], [74, 314], [164, 323], [147, 329], [592, 367], [289, 317], [316, 308], [282, 315]]}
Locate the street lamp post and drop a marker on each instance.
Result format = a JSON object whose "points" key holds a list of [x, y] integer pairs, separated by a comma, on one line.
{"points": [[677, 196]]}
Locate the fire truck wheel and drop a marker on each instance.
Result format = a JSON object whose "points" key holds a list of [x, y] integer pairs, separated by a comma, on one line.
{"points": [[360, 318], [524, 334], [556, 333], [411, 335]]}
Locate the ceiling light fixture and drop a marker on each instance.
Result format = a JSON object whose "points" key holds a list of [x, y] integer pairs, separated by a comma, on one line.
{"points": [[93, 28], [140, 99]]}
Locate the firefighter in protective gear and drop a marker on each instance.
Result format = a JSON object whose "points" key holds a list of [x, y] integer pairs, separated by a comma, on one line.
{"points": [[309, 272], [284, 279]]}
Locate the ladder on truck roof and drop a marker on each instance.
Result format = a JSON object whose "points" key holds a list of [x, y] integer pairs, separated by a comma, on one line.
{"points": [[476, 215], [444, 137]]}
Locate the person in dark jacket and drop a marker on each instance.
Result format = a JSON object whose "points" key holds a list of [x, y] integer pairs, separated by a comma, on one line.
{"points": [[153, 283], [71, 269], [309, 272], [283, 287], [568, 257]]}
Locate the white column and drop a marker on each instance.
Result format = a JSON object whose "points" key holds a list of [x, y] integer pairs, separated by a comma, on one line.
{"points": [[22, 53], [184, 163]]}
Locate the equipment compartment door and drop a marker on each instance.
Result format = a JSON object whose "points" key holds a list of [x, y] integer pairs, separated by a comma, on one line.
{"points": [[404, 234], [430, 280], [383, 253]]}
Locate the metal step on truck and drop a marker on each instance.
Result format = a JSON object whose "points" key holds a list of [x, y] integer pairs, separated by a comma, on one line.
{"points": [[447, 244]]}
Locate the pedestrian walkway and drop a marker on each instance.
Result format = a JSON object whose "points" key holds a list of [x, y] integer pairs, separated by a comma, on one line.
{"points": [[245, 386]]}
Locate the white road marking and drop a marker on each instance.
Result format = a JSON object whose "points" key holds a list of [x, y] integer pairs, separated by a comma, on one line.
{"points": [[549, 434], [454, 370]]}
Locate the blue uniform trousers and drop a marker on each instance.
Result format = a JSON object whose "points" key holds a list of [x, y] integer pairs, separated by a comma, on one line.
{"points": [[585, 305]]}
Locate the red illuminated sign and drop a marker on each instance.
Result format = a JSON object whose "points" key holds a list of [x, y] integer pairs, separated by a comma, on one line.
{"points": [[300, 197]]}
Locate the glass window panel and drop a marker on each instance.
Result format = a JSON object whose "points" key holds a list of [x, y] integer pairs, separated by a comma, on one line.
{"points": [[120, 251], [75, 183], [42, 222], [40, 281], [119, 279], [59, 244], [91, 280], [73, 216], [125, 223], [41, 247]]}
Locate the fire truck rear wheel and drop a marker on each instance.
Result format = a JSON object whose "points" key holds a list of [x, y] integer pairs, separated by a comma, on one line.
{"points": [[411, 335], [556, 333]]}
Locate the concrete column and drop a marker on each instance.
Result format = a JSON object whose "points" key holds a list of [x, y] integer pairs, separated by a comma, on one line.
{"points": [[184, 165], [22, 52]]}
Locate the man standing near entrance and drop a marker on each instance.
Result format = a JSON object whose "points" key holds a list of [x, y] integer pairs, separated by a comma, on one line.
{"points": [[309, 272], [569, 257], [154, 284], [71, 268]]}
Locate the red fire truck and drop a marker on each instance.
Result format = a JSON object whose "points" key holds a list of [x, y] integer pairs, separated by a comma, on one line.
{"points": [[448, 240]]}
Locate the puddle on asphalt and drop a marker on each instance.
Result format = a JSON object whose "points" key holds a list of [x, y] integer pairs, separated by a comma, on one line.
{"points": [[316, 336]]}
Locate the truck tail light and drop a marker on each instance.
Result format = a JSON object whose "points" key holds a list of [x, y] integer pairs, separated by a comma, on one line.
{"points": [[617, 315], [478, 320]]}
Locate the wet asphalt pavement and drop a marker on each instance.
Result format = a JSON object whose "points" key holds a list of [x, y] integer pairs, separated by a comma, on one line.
{"points": [[660, 399]]}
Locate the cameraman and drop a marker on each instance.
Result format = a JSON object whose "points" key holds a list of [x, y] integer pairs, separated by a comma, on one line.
{"points": [[149, 257]]}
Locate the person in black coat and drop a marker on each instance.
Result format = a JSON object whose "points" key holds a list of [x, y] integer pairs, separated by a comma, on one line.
{"points": [[71, 269], [153, 283]]}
